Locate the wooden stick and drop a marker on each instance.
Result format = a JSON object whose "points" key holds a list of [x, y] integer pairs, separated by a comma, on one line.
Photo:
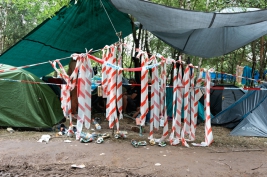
{"points": [[246, 150], [257, 167]]}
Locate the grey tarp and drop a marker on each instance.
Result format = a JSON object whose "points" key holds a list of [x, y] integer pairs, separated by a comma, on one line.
{"points": [[255, 122], [197, 33], [252, 105]]}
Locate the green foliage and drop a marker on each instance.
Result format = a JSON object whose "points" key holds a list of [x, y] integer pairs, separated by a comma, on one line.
{"points": [[19, 17]]}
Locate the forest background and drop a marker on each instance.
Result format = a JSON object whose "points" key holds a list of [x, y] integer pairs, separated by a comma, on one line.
{"points": [[19, 17]]}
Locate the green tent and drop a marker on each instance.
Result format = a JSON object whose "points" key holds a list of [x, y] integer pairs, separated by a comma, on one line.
{"points": [[25, 102], [89, 24]]}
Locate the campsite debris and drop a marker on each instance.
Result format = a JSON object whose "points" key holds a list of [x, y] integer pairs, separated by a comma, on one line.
{"points": [[162, 144], [152, 142], [87, 137], [257, 167], [157, 164], [222, 163], [98, 119], [78, 166], [134, 143], [139, 143], [104, 135], [99, 140], [121, 134], [142, 143], [67, 141], [44, 138], [71, 131], [96, 123], [247, 150], [10, 130]]}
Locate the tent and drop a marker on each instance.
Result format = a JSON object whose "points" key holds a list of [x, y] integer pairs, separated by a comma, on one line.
{"points": [[26, 102], [89, 24], [200, 34], [223, 96], [169, 100], [249, 109]]}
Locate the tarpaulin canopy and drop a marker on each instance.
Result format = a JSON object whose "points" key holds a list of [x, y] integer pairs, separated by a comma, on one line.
{"points": [[197, 33], [25, 102], [86, 24]]}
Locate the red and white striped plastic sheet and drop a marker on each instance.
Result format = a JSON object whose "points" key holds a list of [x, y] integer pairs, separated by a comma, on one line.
{"points": [[163, 108], [179, 103], [82, 70], [157, 99], [119, 83], [172, 138], [144, 86], [192, 111], [154, 100], [65, 90], [112, 90], [197, 95], [208, 130], [186, 126]]}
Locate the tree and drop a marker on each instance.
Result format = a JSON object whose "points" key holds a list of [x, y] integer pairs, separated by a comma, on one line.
{"points": [[19, 17]]}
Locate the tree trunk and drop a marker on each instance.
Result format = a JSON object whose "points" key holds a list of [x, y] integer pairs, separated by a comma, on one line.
{"points": [[253, 62], [137, 45], [261, 70]]}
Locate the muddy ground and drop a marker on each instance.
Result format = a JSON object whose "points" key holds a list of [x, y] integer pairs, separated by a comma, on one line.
{"points": [[22, 155]]}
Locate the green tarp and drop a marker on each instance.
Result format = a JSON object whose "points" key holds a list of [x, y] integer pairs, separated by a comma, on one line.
{"points": [[89, 24], [27, 104]]}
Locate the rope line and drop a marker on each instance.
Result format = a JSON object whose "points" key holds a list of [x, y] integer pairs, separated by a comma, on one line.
{"points": [[109, 19]]}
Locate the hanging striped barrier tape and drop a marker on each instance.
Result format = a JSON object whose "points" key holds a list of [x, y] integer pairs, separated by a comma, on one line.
{"points": [[172, 138], [156, 87], [112, 92], [119, 83], [185, 130], [144, 89], [197, 96], [208, 130], [113, 87]]}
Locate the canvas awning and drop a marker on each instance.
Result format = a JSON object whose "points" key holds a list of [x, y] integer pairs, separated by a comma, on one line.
{"points": [[197, 33]]}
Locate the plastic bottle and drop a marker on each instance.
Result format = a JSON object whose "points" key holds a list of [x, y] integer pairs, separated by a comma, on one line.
{"points": [[97, 126]]}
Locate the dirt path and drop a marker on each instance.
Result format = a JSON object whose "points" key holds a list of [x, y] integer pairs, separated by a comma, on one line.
{"points": [[22, 155]]}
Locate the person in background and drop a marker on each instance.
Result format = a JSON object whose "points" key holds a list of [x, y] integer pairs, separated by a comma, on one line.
{"points": [[73, 93], [131, 98]]}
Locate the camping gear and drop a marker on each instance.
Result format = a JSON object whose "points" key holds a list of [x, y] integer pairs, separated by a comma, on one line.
{"points": [[26, 101], [85, 24], [247, 115], [169, 97], [222, 96]]}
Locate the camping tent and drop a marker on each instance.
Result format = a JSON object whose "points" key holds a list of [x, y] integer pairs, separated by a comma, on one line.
{"points": [[249, 108], [223, 96], [86, 24], [169, 97], [200, 34], [25, 102]]}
